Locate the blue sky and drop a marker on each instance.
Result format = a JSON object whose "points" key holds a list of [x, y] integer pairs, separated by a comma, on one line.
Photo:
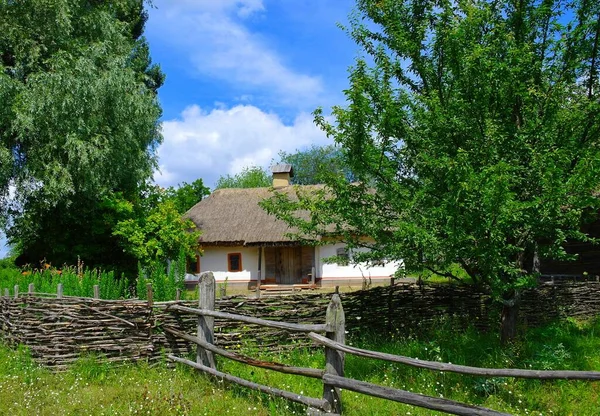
{"points": [[243, 77]]}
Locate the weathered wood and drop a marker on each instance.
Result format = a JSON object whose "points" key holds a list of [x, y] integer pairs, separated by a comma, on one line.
{"points": [[6, 292], [206, 324], [461, 369], [282, 368], [334, 359], [31, 288], [16, 291], [59, 291], [298, 398], [402, 396], [178, 295], [251, 320], [96, 292], [149, 294]]}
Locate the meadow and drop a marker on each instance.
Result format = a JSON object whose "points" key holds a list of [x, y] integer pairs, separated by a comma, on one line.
{"points": [[92, 388]]}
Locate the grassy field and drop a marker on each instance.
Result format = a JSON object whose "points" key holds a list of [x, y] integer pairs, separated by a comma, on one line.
{"points": [[95, 389]]}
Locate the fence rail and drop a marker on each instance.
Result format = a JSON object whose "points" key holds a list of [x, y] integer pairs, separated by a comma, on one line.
{"points": [[335, 349]]}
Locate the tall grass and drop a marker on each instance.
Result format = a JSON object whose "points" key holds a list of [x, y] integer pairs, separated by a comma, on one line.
{"points": [[79, 281], [93, 388]]}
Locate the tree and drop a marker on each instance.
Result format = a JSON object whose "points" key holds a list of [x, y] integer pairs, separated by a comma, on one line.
{"points": [[186, 195], [78, 122], [154, 232], [249, 177], [473, 129], [313, 165]]}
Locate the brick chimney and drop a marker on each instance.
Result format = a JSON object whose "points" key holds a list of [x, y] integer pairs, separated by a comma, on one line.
{"points": [[282, 175]]}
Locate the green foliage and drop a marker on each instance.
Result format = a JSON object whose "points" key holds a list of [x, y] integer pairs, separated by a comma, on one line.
{"points": [[313, 165], [186, 195], [249, 177], [79, 122], [473, 131], [158, 234], [76, 281]]}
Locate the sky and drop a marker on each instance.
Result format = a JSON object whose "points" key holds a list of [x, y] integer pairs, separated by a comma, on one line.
{"points": [[242, 79]]}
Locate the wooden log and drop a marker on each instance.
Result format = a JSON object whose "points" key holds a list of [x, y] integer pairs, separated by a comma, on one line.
{"points": [[31, 288], [461, 369], [149, 295], [178, 295], [206, 324], [298, 398], [282, 368], [96, 292], [334, 359], [252, 320], [402, 396], [59, 291]]}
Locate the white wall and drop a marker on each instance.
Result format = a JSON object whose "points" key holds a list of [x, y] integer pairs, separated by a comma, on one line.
{"points": [[215, 260], [333, 271]]}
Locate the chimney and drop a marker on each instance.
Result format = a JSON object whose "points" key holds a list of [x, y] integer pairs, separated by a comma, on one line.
{"points": [[282, 175]]}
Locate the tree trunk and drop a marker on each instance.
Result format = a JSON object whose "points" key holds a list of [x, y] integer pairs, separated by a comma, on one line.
{"points": [[510, 313]]}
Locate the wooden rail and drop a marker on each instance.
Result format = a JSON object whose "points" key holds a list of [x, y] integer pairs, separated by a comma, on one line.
{"points": [[335, 349], [250, 320], [461, 369]]}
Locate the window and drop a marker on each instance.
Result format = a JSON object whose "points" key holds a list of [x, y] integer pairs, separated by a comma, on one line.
{"points": [[193, 266], [234, 262], [342, 256]]}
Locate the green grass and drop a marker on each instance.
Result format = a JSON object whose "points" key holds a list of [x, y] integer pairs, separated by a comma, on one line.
{"points": [[96, 389]]}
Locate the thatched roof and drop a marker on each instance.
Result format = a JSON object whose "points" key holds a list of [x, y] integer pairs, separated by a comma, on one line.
{"points": [[233, 217]]}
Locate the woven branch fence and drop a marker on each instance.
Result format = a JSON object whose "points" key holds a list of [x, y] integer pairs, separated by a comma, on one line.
{"points": [[58, 329]]}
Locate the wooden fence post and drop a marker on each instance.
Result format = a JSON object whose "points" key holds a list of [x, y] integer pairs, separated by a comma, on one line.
{"points": [[16, 289], [334, 360], [31, 288], [206, 324], [59, 291], [149, 294], [6, 292], [96, 292], [178, 294]]}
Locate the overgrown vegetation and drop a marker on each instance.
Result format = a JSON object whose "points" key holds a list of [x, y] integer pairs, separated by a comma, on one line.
{"points": [[99, 389], [79, 280]]}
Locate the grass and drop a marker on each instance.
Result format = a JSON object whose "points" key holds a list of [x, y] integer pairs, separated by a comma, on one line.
{"points": [[97, 389]]}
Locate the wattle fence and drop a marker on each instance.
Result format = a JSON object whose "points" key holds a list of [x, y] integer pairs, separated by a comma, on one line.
{"points": [[59, 329]]}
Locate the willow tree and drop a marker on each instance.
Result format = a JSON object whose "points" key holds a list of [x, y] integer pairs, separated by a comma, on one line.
{"points": [[78, 121], [473, 129]]}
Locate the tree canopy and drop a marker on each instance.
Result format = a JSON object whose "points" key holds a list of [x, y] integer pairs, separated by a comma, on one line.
{"points": [[313, 165], [78, 121], [249, 177], [473, 130]]}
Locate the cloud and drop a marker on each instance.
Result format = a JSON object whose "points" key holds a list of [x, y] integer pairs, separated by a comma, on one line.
{"points": [[217, 43], [208, 144]]}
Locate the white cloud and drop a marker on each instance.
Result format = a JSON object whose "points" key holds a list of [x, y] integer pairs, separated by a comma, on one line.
{"points": [[216, 43], [222, 141]]}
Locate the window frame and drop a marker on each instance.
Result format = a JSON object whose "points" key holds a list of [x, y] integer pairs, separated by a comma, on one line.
{"points": [[240, 267], [188, 263]]}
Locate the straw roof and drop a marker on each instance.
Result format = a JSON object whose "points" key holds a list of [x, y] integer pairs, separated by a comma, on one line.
{"points": [[233, 217]]}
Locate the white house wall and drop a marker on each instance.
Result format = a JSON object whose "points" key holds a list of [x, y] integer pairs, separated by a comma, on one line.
{"points": [[335, 272], [215, 260]]}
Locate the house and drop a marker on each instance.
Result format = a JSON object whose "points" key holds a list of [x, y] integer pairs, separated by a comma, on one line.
{"points": [[242, 244]]}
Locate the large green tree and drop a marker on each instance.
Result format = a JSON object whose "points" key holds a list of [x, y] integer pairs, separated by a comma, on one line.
{"points": [[249, 177], [78, 122], [474, 130], [314, 164]]}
